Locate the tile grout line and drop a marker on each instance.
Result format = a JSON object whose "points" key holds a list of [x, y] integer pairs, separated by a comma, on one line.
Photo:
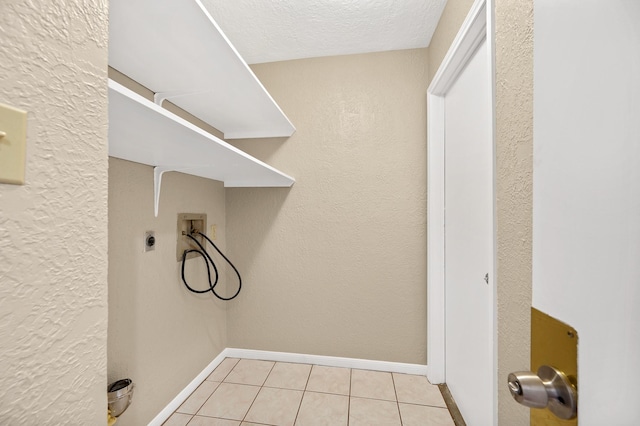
{"points": [[325, 393], [395, 390], [201, 405], [424, 405], [304, 391], [308, 378], [232, 368], [373, 399], [259, 390], [214, 391], [193, 416], [349, 407]]}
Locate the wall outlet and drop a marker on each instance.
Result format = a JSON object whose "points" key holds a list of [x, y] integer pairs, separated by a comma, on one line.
{"points": [[190, 223], [149, 241], [212, 232]]}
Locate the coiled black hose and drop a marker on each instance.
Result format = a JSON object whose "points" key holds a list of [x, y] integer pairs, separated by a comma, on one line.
{"points": [[207, 259]]}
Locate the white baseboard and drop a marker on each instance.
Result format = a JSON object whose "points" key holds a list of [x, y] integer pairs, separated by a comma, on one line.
{"points": [[330, 361], [182, 396]]}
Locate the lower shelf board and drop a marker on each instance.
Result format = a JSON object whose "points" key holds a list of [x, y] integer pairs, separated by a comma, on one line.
{"points": [[143, 132]]}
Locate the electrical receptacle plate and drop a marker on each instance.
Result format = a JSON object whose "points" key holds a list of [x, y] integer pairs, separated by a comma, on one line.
{"points": [[188, 222], [149, 241]]}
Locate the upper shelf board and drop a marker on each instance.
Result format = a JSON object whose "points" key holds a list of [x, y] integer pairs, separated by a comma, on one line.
{"points": [[177, 50], [143, 132]]}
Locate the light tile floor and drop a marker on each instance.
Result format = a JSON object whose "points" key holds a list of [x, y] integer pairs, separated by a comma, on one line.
{"points": [[243, 392]]}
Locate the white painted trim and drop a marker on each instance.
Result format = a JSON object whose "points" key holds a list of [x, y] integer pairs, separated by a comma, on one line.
{"points": [[435, 241], [478, 26], [330, 361], [188, 390], [491, 45], [471, 34]]}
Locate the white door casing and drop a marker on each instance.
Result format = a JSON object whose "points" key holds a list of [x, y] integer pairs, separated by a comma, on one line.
{"points": [[469, 241], [586, 194], [461, 305]]}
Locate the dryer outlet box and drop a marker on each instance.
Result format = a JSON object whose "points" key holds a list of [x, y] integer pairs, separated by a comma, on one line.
{"points": [[190, 224]]}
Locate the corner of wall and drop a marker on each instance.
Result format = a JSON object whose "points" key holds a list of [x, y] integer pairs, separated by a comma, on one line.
{"points": [[160, 334]]}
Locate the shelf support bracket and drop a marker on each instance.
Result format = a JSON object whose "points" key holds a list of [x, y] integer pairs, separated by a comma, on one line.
{"points": [[160, 97], [158, 171]]}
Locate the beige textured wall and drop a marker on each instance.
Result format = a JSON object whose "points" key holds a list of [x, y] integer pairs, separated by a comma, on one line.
{"points": [[160, 334], [53, 230], [514, 153], [336, 264], [514, 164]]}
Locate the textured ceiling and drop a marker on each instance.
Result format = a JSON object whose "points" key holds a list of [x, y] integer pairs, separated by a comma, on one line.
{"points": [[277, 30]]}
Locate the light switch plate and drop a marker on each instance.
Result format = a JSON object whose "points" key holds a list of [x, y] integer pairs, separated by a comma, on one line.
{"points": [[13, 144]]}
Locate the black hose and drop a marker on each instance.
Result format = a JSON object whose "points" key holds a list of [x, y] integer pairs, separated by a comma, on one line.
{"points": [[207, 259], [184, 258]]}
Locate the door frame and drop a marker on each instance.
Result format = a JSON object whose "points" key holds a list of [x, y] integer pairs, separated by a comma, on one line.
{"points": [[478, 26]]}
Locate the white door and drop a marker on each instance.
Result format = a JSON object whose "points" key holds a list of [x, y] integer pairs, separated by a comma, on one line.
{"points": [[461, 237], [586, 204], [469, 240]]}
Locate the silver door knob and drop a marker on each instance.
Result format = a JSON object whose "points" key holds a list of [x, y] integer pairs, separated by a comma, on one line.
{"points": [[550, 388]]}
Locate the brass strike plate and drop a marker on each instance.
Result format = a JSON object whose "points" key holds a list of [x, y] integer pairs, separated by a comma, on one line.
{"points": [[553, 343]]}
